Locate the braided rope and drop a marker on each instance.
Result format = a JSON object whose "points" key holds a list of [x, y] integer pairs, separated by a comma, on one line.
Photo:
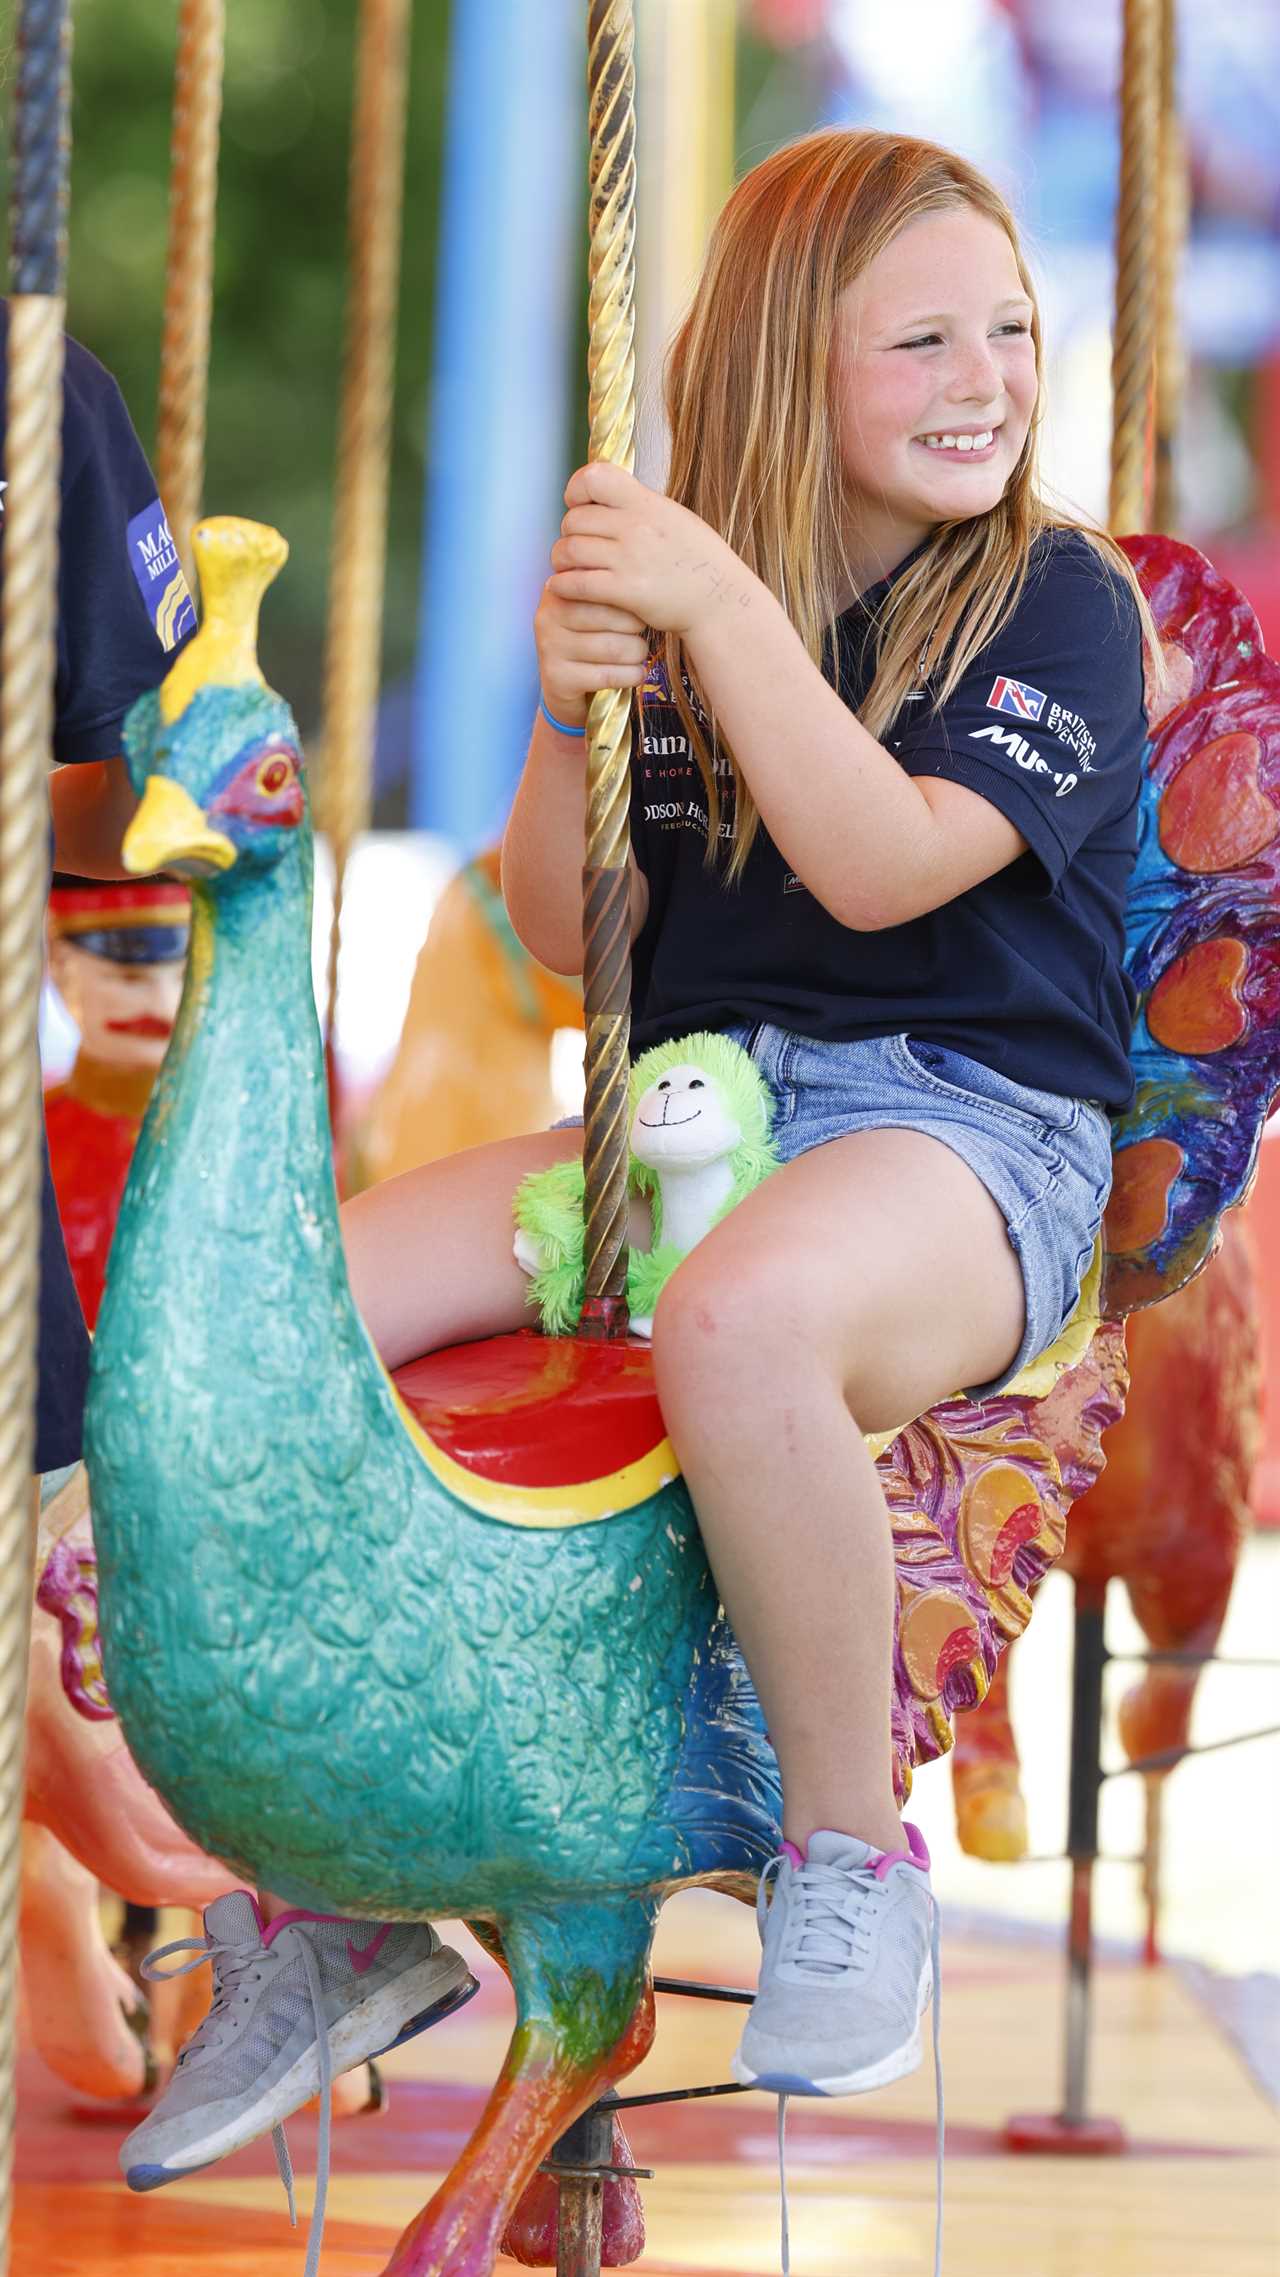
{"points": [[1173, 207], [188, 300], [606, 882], [33, 448], [1133, 336], [353, 640]]}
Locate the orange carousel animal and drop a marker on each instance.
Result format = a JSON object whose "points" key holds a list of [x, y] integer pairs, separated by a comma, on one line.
{"points": [[474, 1060], [1168, 1517]]}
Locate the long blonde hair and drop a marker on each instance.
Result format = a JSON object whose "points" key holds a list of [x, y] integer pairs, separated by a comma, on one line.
{"points": [[754, 448]]}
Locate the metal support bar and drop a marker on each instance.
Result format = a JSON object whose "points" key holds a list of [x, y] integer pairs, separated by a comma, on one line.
{"points": [[1169, 1756], [579, 2160], [691, 1991], [1176, 1659], [1082, 1840], [680, 2095]]}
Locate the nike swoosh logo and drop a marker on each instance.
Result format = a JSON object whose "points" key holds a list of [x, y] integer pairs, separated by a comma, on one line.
{"points": [[364, 1960]]}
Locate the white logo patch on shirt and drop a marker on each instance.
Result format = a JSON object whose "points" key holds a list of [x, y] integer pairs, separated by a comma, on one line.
{"points": [[1018, 748]]}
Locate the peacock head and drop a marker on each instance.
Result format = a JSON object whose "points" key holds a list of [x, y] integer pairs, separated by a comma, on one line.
{"points": [[213, 753]]}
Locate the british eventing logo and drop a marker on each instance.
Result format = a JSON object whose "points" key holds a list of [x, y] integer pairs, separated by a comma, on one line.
{"points": [[1016, 697], [158, 571]]}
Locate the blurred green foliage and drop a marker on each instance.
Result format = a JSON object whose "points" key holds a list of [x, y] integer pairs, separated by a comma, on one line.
{"points": [[280, 278]]}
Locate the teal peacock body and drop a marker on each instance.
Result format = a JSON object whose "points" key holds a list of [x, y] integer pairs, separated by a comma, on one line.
{"points": [[343, 1679]]}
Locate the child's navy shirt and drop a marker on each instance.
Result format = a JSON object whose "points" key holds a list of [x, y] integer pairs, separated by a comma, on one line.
{"points": [[1023, 973], [122, 606]]}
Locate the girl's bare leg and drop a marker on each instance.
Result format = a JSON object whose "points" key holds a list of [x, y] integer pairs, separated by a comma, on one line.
{"points": [[429, 1253], [855, 1288]]}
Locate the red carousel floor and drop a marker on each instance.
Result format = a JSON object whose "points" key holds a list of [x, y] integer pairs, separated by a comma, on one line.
{"points": [[1196, 2195]]}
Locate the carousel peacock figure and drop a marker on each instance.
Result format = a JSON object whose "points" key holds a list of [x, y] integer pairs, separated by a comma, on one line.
{"points": [[449, 1645]]}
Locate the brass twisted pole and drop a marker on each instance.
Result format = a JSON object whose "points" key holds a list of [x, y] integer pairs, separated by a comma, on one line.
{"points": [[1171, 231], [1133, 336], [353, 639], [188, 299], [33, 448], [606, 882]]}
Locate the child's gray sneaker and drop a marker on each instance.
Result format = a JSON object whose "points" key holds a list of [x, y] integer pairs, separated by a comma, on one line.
{"points": [[847, 1971], [295, 2002], [850, 1964]]}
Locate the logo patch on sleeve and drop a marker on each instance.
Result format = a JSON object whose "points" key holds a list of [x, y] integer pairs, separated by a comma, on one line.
{"points": [[1015, 696], [155, 563]]}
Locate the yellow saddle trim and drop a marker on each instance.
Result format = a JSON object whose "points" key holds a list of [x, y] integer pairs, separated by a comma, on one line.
{"points": [[587, 1501], [581, 1503]]}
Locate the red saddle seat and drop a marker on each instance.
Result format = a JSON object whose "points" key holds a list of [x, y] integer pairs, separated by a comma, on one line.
{"points": [[537, 1411]]}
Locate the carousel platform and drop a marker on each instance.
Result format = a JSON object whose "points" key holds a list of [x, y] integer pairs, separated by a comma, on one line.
{"points": [[1194, 2196]]}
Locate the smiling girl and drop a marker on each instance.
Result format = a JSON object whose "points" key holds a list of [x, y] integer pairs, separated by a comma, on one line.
{"points": [[884, 813]]}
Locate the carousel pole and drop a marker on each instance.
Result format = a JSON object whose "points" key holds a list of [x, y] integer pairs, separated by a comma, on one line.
{"points": [[353, 640], [188, 300], [1171, 232], [606, 915], [686, 63], [1134, 329], [27, 665], [1132, 376]]}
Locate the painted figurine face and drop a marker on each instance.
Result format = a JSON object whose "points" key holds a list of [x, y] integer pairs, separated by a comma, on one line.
{"points": [[935, 383], [682, 1122], [124, 1011]]}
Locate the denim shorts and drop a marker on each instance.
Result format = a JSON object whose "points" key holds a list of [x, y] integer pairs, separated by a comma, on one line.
{"points": [[1045, 1160]]}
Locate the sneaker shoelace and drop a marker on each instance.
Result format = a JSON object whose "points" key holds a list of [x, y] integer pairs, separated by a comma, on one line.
{"points": [[826, 1931], [231, 1964]]}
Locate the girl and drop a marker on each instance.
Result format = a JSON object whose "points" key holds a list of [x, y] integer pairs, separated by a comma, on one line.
{"points": [[884, 811]]}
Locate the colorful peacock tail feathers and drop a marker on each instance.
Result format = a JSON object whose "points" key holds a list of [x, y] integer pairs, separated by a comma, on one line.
{"points": [[236, 561]]}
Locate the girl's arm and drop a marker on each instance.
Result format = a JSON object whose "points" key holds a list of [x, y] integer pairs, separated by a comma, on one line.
{"points": [[580, 648], [873, 844], [92, 806]]}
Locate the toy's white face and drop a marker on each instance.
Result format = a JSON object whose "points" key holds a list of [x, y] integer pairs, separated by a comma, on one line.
{"points": [[682, 1122]]}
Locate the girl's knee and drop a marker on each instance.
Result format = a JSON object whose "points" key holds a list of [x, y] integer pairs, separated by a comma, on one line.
{"points": [[710, 1324]]}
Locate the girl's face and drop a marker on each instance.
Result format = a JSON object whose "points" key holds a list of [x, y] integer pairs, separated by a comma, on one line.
{"points": [[935, 384]]}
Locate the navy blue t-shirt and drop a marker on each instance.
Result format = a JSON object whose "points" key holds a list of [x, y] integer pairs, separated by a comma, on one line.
{"points": [[1024, 972], [123, 607]]}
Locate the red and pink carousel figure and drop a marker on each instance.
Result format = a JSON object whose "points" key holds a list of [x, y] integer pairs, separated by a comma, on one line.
{"points": [[117, 954]]}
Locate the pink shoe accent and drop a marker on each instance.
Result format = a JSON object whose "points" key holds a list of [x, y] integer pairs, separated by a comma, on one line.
{"points": [[916, 1854], [297, 1913], [365, 1959]]}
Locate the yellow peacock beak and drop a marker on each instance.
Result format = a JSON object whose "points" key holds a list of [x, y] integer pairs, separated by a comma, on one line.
{"points": [[169, 828]]}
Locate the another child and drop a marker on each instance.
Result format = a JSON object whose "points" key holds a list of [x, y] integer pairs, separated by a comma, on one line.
{"points": [[884, 815]]}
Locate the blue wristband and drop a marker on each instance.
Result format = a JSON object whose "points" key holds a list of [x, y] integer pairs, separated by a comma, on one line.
{"points": [[557, 724]]}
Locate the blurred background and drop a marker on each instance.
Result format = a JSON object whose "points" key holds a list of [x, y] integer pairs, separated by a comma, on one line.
{"points": [[1027, 88], [490, 418]]}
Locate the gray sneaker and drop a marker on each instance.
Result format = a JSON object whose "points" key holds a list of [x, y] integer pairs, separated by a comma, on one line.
{"points": [[295, 2002], [847, 1973], [850, 1965]]}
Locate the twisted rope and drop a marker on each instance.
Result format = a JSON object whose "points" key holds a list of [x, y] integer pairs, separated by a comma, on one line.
{"points": [[606, 883], [353, 640], [188, 300], [1171, 230], [33, 448], [1133, 336]]}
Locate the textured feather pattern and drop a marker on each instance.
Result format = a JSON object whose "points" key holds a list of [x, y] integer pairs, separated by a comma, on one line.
{"points": [[1203, 933]]}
